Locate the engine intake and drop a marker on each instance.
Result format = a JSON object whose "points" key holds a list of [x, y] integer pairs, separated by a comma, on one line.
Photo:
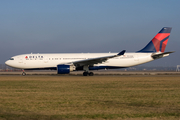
{"points": [[65, 69]]}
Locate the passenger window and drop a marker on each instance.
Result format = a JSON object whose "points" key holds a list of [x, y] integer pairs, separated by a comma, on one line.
{"points": [[11, 58]]}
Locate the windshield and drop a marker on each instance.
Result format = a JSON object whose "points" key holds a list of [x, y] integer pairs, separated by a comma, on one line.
{"points": [[11, 58]]}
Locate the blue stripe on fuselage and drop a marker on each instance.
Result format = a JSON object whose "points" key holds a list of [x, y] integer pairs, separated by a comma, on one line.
{"points": [[79, 68]]}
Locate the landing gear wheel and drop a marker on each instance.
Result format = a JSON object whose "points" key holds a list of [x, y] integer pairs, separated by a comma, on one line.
{"points": [[85, 73], [23, 74], [91, 74]]}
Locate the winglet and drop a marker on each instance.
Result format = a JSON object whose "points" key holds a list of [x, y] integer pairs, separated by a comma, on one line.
{"points": [[121, 53]]}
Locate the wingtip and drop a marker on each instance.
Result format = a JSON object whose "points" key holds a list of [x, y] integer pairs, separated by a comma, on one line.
{"points": [[122, 52]]}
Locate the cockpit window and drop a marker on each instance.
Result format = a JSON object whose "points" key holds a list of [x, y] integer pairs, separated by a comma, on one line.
{"points": [[11, 58]]}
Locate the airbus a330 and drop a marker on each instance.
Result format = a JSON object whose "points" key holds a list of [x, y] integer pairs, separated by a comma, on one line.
{"points": [[68, 62]]}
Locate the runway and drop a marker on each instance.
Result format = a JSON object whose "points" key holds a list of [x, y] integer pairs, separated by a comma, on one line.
{"points": [[96, 73]]}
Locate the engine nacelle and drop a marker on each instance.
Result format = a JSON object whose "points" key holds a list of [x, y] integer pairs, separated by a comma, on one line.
{"points": [[65, 69]]}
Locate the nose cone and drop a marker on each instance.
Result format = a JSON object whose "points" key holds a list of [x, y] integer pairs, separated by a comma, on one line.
{"points": [[7, 62]]}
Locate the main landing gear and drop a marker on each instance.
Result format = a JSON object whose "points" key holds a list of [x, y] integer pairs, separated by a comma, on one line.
{"points": [[23, 74], [86, 71]]}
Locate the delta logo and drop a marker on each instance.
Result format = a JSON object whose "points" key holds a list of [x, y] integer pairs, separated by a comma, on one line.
{"points": [[33, 57]]}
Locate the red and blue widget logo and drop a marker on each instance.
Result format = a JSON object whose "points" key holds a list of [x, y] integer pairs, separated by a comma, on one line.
{"points": [[159, 42]]}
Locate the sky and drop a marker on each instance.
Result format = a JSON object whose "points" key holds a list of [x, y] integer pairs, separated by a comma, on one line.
{"points": [[87, 26]]}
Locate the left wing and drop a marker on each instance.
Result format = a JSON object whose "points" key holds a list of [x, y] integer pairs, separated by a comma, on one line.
{"points": [[92, 61]]}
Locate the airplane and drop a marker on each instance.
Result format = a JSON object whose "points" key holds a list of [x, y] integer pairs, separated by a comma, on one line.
{"points": [[65, 63]]}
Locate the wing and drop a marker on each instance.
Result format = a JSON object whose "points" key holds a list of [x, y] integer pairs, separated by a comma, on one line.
{"points": [[91, 62]]}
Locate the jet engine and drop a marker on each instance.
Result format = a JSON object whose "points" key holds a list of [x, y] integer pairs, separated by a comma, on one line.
{"points": [[65, 69]]}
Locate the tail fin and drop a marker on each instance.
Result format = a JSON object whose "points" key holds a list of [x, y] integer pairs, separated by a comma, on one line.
{"points": [[159, 42]]}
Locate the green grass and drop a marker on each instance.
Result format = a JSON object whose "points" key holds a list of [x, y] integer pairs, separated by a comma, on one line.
{"points": [[97, 97]]}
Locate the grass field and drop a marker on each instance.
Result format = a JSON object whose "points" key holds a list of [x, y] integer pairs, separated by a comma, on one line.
{"points": [[97, 97]]}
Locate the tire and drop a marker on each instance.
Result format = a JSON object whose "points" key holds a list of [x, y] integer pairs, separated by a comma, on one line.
{"points": [[23, 74], [85, 73], [91, 74]]}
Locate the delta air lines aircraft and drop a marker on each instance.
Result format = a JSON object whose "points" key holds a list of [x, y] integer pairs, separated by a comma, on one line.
{"points": [[66, 63]]}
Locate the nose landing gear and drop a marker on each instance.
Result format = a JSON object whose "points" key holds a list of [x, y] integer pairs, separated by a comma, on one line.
{"points": [[23, 74]]}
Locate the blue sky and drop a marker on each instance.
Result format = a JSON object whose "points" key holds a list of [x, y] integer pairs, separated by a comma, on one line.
{"points": [[68, 26]]}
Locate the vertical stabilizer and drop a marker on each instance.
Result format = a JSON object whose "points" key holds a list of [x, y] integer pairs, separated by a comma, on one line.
{"points": [[159, 42]]}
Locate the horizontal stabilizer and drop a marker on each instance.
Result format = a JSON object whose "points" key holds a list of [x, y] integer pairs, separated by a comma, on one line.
{"points": [[157, 56]]}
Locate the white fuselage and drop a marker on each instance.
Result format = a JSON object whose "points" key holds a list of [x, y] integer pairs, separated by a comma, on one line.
{"points": [[36, 61]]}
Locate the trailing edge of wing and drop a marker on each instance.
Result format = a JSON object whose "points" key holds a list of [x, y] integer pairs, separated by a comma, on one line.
{"points": [[92, 61], [157, 56]]}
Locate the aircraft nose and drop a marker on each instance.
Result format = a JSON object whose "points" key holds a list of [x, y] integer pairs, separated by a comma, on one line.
{"points": [[7, 62]]}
